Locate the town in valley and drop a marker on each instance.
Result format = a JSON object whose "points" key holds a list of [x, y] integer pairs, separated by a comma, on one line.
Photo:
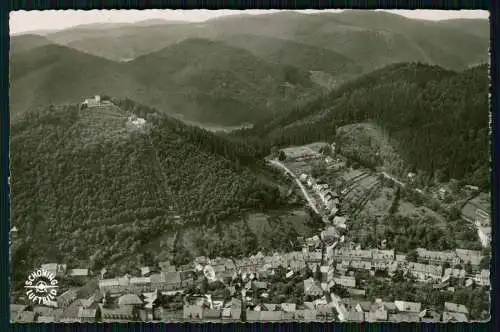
{"points": [[328, 166], [331, 277]]}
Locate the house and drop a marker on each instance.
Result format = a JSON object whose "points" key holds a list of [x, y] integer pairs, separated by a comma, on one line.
{"points": [[79, 273], [453, 307], [314, 241], [16, 310], [404, 306], [354, 316], [191, 311], [313, 257], [377, 312], [59, 270], [25, 317], [465, 256], [345, 281], [342, 311], [453, 273], [46, 319], [259, 285], [324, 312], [429, 316], [70, 313], [121, 314], [311, 288], [484, 234], [400, 258], [92, 102], [471, 187], [109, 285], [305, 315], [288, 307], [363, 306], [141, 284], [401, 317], [438, 257], [151, 303], [266, 316], [483, 278], [477, 210], [166, 267], [66, 298], [383, 255], [361, 265], [168, 281], [87, 315], [211, 314], [350, 254], [303, 177], [425, 272], [356, 292], [129, 300], [454, 317], [145, 271]]}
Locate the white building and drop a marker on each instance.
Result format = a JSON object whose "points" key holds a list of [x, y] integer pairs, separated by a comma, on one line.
{"points": [[484, 236], [93, 102]]}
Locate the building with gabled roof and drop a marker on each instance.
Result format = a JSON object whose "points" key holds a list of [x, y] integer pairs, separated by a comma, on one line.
{"points": [[405, 306], [129, 300], [87, 315], [454, 307], [120, 314], [425, 272], [454, 317], [78, 273]]}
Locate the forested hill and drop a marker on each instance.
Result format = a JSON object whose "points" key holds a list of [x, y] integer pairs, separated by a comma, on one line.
{"points": [[90, 189], [197, 79], [439, 118]]}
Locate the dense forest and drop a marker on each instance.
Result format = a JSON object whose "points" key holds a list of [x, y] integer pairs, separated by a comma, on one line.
{"points": [[88, 190], [438, 117]]}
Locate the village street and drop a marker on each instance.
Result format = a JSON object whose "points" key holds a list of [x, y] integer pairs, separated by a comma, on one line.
{"points": [[310, 200]]}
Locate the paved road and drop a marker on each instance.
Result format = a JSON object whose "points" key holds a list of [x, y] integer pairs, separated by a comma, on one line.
{"points": [[390, 177], [311, 201]]}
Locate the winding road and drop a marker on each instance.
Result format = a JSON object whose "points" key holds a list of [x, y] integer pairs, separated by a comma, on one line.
{"points": [[311, 201]]}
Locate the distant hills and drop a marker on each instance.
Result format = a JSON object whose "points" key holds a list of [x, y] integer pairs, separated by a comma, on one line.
{"points": [[437, 120], [275, 61], [199, 79], [349, 33]]}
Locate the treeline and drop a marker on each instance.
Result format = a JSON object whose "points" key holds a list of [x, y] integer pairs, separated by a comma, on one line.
{"points": [[439, 118], [241, 151]]}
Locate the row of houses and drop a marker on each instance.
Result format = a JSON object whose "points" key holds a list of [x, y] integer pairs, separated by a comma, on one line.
{"points": [[329, 198], [458, 256], [381, 261], [163, 281], [327, 308], [61, 270]]}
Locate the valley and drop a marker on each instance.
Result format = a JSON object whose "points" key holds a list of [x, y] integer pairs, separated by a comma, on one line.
{"points": [[278, 167]]}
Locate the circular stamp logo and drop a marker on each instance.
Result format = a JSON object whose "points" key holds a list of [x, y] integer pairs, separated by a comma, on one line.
{"points": [[41, 287]]}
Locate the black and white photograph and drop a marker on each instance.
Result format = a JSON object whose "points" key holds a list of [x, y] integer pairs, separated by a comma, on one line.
{"points": [[250, 166]]}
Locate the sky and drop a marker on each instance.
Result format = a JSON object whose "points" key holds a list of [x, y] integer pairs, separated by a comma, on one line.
{"points": [[25, 21]]}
